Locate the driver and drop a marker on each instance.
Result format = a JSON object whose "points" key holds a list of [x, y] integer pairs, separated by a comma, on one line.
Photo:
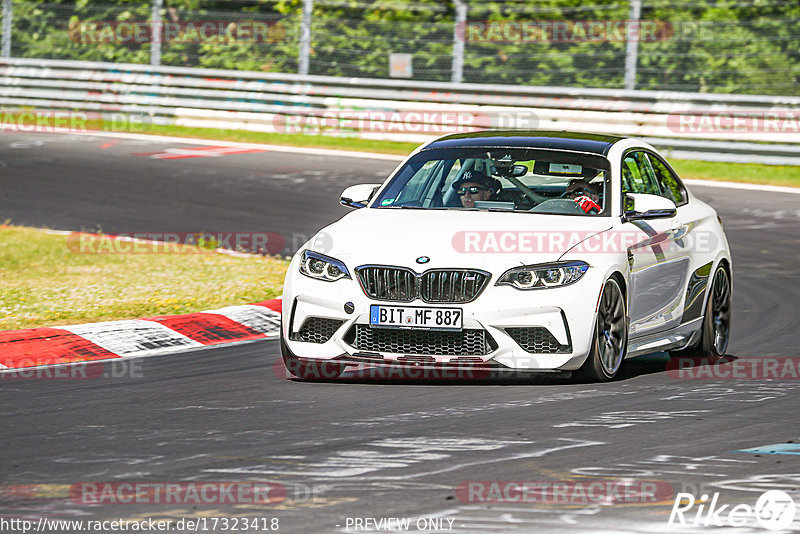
{"points": [[585, 194], [475, 185]]}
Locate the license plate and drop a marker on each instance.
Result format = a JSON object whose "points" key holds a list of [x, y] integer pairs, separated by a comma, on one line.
{"points": [[415, 317]]}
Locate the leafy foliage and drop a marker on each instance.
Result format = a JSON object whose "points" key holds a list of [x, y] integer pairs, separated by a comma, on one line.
{"points": [[701, 45]]}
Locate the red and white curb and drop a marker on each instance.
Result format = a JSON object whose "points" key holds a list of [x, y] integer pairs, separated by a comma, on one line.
{"points": [[138, 337]]}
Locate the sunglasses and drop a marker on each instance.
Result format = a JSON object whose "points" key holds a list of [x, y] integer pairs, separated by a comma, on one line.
{"points": [[471, 190]]}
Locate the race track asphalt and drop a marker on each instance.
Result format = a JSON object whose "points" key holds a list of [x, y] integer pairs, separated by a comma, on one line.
{"points": [[361, 448]]}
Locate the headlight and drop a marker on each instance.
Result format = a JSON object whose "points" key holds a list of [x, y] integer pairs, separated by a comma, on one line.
{"points": [[544, 275], [322, 267]]}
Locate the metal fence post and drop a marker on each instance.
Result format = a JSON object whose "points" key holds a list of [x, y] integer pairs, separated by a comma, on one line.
{"points": [[632, 43], [8, 14], [457, 74], [305, 38], [155, 32]]}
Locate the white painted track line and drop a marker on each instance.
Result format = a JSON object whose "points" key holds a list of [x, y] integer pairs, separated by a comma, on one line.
{"points": [[746, 186], [270, 148], [386, 157]]}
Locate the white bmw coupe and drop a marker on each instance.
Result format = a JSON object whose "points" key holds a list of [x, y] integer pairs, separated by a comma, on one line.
{"points": [[512, 251]]}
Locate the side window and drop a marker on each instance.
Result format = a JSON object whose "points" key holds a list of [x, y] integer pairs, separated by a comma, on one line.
{"points": [[671, 186], [413, 189], [448, 194], [638, 175], [452, 174]]}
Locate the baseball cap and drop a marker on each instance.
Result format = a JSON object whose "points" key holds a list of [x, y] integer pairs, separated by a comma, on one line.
{"points": [[477, 177]]}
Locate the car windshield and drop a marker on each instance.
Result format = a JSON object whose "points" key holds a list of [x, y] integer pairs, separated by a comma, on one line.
{"points": [[501, 179]]}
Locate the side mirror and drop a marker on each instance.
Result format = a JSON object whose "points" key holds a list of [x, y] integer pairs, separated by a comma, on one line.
{"points": [[358, 196], [648, 207]]}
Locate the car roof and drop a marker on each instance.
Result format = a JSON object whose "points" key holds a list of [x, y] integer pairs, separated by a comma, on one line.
{"points": [[554, 140]]}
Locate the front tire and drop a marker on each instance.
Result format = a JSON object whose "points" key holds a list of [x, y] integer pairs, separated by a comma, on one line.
{"points": [[610, 340], [308, 369]]}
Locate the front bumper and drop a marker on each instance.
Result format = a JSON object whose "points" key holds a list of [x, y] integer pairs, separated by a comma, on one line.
{"points": [[567, 313]]}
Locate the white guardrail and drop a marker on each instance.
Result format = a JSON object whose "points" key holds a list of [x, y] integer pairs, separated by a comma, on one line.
{"points": [[710, 127]]}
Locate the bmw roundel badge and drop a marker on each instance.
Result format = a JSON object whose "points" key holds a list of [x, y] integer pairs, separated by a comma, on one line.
{"points": [[423, 259]]}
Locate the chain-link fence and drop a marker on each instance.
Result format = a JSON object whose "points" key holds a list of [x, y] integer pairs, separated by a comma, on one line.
{"points": [[751, 46], [187, 35]]}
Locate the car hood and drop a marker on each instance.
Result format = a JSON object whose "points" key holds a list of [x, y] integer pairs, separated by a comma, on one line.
{"points": [[453, 238]]}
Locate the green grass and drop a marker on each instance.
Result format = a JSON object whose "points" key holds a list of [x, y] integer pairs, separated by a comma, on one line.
{"points": [[754, 173], [46, 283], [299, 140]]}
